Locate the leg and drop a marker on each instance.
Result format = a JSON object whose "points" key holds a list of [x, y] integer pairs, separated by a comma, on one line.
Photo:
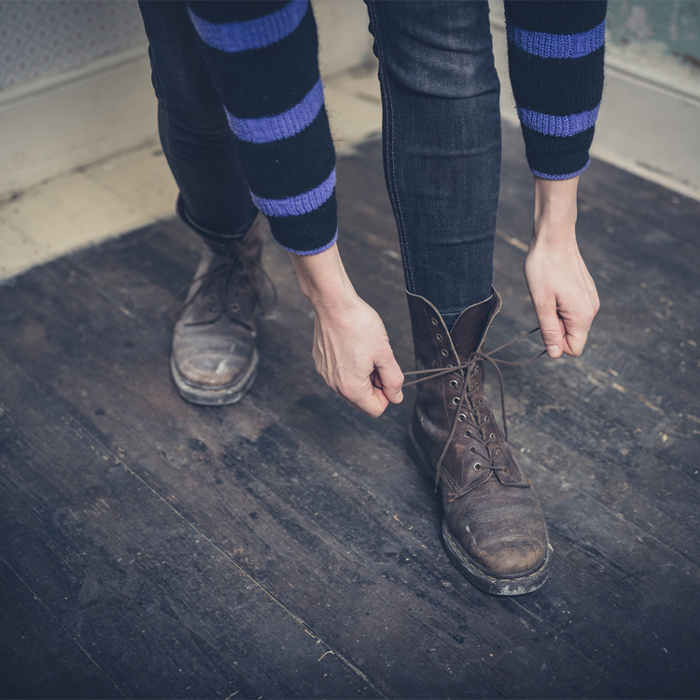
{"points": [[213, 359], [442, 144], [196, 138], [442, 162]]}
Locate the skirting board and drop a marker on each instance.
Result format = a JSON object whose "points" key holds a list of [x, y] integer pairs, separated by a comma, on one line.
{"points": [[50, 126]]}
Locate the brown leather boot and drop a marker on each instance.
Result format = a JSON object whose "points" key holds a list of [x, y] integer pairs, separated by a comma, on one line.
{"points": [[493, 527], [214, 359]]}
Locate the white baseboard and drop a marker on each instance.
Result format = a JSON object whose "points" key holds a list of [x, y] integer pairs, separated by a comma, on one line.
{"points": [[52, 125]]}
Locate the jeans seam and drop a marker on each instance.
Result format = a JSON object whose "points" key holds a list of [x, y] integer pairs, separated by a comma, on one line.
{"points": [[389, 152]]}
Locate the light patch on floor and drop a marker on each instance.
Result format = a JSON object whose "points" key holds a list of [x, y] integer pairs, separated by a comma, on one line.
{"points": [[135, 188]]}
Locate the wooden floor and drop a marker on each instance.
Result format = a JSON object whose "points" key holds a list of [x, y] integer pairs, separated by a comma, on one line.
{"points": [[286, 546]]}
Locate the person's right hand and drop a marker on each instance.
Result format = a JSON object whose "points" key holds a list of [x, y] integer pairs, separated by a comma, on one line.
{"points": [[352, 353], [351, 347]]}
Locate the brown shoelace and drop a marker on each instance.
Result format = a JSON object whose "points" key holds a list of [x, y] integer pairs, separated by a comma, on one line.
{"points": [[238, 266], [468, 366]]}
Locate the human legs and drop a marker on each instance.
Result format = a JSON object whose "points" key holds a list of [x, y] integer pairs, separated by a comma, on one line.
{"points": [[442, 144], [442, 165], [196, 138], [213, 359]]}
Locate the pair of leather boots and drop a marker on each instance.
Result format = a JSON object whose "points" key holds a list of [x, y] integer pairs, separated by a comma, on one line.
{"points": [[493, 527]]}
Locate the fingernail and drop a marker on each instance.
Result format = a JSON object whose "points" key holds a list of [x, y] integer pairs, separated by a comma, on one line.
{"points": [[553, 349], [399, 396]]}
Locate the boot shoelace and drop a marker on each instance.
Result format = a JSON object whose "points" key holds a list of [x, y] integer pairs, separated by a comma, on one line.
{"points": [[466, 368], [238, 266]]}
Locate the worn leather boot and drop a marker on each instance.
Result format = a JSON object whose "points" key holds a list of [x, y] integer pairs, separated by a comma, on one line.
{"points": [[493, 526], [214, 359]]}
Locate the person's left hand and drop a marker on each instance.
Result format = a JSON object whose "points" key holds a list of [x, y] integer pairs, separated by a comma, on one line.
{"points": [[563, 293]]}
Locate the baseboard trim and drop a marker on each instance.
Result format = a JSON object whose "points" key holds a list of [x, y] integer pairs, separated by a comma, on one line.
{"points": [[54, 124]]}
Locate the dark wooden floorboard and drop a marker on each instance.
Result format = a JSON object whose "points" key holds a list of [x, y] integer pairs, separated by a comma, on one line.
{"points": [[285, 546]]}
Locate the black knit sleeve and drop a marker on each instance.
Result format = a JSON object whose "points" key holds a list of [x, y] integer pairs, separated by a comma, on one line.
{"points": [[555, 55], [263, 59]]}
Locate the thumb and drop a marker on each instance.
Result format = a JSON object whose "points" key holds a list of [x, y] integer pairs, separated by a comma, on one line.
{"points": [[390, 378], [551, 330]]}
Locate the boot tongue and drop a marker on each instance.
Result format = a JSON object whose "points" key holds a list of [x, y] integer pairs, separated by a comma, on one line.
{"points": [[470, 328]]}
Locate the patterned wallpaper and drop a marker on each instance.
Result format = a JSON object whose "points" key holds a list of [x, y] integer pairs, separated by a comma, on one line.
{"points": [[38, 37]]}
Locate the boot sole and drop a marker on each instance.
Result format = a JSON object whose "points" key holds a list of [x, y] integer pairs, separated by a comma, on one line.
{"points": [[223, 396], [512, 586]]}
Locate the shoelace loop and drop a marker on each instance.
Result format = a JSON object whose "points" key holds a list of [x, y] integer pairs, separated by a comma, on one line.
{"points": [[468, 366]]}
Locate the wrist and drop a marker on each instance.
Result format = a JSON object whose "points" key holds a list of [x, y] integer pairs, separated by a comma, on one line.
{"points": [[555, 213], [323, 279]]}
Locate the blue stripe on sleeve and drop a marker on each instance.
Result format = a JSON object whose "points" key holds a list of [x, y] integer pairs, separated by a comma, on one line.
{"points": [[280, 126], [300, 204], [557, 45], [252, 34], [551, 125]]}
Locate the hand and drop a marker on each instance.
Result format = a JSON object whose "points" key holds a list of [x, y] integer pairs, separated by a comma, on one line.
{"points": [[562, 290], [563, 294], [351, 347], [352, 353]]}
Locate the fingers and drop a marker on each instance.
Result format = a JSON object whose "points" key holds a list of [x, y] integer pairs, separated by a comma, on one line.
{"points": [[364, 396]]}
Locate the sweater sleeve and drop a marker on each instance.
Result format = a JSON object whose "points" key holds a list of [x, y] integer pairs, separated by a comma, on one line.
{"points": [[555, 56], [263, 60]]}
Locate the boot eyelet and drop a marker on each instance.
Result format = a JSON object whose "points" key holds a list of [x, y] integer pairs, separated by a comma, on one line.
{"points": [[498, 452], [468, 434], [477, 466], [492, 436], [434, 321], [444, 352], [454, 384], [455, 400], [462, 417], [235, 307], [438, 336], [472, 450], [476, 386]]}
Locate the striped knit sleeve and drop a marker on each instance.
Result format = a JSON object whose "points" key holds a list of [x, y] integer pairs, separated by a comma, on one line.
{"points": [[263, 59], [555, 55]]}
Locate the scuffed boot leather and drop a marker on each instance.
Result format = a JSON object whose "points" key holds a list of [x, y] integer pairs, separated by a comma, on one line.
{"points": [[214, 359], [493, 526]]}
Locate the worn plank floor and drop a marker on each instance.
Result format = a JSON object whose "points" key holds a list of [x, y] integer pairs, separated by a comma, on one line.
{"points": [[285, 546]]}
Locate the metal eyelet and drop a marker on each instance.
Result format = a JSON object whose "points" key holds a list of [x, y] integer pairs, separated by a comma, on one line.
{"points": [[235, 307], [455, 400], [492, 436], [498, 452], [472, 450], [477, 466], [468, 433], [454, 384], [434, 321], [438, 336], [462, 417], [444, 352]]}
